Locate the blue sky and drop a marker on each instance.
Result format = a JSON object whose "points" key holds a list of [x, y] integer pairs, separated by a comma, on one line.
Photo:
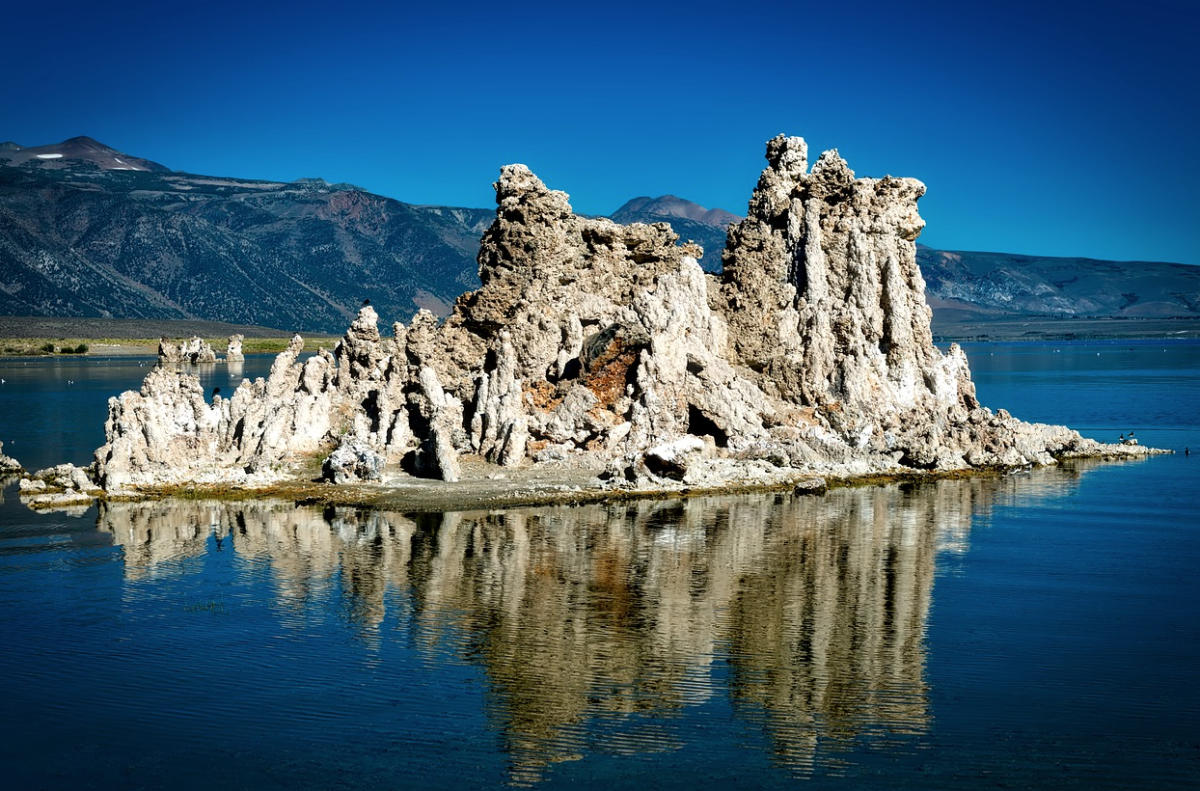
{"points": [[1045, 128]]}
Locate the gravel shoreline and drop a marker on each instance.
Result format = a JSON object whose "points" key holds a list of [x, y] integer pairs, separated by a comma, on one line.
{"points": [[487, 486]]}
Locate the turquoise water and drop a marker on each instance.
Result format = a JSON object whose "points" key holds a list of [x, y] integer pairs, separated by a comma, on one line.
{"points": [[1037, 631]]}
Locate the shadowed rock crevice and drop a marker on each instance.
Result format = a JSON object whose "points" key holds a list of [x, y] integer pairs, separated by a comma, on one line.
{"points": [[701, 425]]}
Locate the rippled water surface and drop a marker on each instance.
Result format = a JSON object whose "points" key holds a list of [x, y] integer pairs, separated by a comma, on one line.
{"points": [[1040, 630]]}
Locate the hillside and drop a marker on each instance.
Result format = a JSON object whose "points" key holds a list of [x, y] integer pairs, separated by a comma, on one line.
{"points": [[83, 237], [985, 284]]}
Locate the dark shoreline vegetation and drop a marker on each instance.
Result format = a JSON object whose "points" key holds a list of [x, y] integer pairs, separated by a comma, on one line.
{"points": [[24, 336]]}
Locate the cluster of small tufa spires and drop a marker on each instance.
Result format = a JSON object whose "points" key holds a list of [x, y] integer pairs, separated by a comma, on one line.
{"points": [[197, 351]]}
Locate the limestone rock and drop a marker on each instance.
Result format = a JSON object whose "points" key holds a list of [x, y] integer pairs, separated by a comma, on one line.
{"points": [[811, 486], [827, 306], [439, 458], [168, 352], [198, 351], [69, 500], [353, 461], [61, 486], [61, 477], [233, 350], [168, 435], [606, 346], [193, 351], [360, 352], [8, 464], [671, 459]]}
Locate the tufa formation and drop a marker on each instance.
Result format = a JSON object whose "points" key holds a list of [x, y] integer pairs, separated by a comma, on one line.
{"points": [[604, 348], [194, 351]]}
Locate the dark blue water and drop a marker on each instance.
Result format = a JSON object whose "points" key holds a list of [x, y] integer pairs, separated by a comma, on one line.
{"points": [[1103, 389], [1035, 631]]}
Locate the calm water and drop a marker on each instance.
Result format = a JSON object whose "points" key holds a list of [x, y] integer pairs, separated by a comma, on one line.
{"points": [[1037, 631]]}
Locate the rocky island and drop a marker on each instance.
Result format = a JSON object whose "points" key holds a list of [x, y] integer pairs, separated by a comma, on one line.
{"points": [[599, 358]]}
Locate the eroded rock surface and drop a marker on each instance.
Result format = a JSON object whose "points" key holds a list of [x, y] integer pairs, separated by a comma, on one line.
{"points": [[601, 346], [8, 465], [351, 462], [195, 351], [61, 486], [233, 350]]}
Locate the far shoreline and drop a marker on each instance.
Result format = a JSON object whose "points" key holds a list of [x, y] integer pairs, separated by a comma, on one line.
{"points": [[1042, 328], [35, 336], [32, 336]]}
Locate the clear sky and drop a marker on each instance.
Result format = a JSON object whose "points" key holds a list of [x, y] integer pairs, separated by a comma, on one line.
{"points": [[1050, 128]]}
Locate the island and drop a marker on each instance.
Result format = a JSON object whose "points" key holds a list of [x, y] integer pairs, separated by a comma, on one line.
{"points": [[599, 360]]}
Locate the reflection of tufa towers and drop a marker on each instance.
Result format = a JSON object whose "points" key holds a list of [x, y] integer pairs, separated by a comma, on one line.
{"points": [[158, 532], [828, 627], [597, 625]]}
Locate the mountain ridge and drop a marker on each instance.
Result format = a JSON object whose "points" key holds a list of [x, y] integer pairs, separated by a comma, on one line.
{"points": [[80, 149], [982, 284], [77, 239], [672, 206]]}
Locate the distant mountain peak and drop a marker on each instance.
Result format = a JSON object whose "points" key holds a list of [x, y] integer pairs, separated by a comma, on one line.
{"points": [[79, 149], [672, 206]]}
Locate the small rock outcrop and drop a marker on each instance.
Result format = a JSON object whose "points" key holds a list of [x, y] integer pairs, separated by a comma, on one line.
{"points": [[9, 465], [61, 486], [233, 351], [599, 346], [351, 462], [194, 351]]}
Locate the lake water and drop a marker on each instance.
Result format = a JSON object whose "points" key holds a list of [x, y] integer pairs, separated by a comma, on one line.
{"points": [[1040, 630]]}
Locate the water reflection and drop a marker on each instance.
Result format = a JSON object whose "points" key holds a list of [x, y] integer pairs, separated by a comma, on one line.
{"points": [[5, 482], [597, 626]]}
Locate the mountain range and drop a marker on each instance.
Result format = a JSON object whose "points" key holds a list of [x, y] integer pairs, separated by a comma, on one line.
{"points": [[80, 237], [88, 231]]}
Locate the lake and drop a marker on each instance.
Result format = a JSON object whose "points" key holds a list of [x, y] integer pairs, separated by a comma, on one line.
{"points": [[1037, 630]]}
